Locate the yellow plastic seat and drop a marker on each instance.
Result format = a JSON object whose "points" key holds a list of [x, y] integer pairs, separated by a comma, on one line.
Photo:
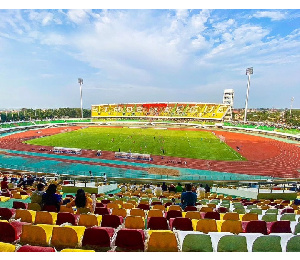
{"points": [[137, 212], [119, 202], [4, 199], [160, 241], [6, 247], [119, 212], [34, 235], [174, 207], [66, 237], [34, 206], [193, 215], [76, 250], [161, 207], [89, 220], [128, 206], [135, 222], [48, 229], [250, 216], [232, 226], [211, 205], [132, 202], [231, 216], [112, 206], [64, 208], [206, 209], [155, 213], [206, 225], [45, 217], [25, 215]]}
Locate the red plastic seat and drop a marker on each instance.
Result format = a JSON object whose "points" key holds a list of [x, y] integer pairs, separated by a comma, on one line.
{"points": [[10, 232], [20, 205], [105, 201], [6, 213], [143, 206], [256, 226], [99, 204], [157, 223], [111, 221], [65, 217], [212, 215], [222, 210], [97, 238], [130, 240], [6, 194], [173, 214], [184, 224], [281, 226], [190, 208], [23, 193], [156, 203], [28, 248], [287, 210], [101, 211], [50, 208], [167, 204]]}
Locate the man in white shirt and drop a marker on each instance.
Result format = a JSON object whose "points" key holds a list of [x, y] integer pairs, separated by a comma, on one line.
{"points": [[157, 191], [200, 192]]}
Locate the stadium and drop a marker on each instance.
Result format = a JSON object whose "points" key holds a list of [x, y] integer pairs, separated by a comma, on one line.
{"points": [[252, 174]]}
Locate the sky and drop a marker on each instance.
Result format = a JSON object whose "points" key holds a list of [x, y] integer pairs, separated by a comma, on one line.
{"points": [[148, 55]]}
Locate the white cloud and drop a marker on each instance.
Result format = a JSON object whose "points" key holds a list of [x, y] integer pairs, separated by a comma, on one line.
{"points": [[77, 15], [273, 15]]}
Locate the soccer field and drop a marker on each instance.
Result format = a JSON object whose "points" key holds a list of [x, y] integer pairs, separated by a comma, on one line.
{"points": [[177, 143]]}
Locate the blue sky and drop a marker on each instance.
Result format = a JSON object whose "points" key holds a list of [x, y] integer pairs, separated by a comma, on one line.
{"points": [[148, 55]]}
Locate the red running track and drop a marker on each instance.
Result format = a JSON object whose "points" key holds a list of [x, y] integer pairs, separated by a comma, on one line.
{"points": [[264, 156]]}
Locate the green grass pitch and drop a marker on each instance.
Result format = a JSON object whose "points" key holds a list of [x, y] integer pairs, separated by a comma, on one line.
{"points": [[177, 143]]}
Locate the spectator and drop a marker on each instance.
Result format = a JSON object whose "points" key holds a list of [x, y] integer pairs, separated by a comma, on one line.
{"points": [[37, 195], [4, 183], [200, 192], [105, 178], [158, 191], [164, 187], [51, 198], [133, 187], [188, 198], [207, 188], [123, 188], [179, 188], [148, 190], [172, 188], [81, 201]]}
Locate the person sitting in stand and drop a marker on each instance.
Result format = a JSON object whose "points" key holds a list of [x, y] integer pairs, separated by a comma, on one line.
{"points": [[172, 188], [207, 188], [81, 201], [164, 187], [178, 188], [158, 191], [148, 190], [50, 197], [37, 195], [188, 198], [4, 183]]}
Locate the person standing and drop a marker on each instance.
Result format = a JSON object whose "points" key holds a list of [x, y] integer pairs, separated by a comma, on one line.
{"points": [[104, 178], [188, 198]]}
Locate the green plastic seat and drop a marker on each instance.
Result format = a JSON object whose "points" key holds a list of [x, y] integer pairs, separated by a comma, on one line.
{"points": [[269, 217], [288, 216], [267, 243], [297, 228], [293, 245], [238, 206], [197, 243], [256, 210], [240, 211], [251, 206], [275, 211], [232, 243]]}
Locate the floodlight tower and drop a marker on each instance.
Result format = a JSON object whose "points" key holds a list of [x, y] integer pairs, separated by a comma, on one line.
{"points": [[80, 81], [292, 100], [249, 71]]}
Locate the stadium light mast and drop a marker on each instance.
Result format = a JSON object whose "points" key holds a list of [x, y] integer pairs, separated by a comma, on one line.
{"points": [[249, 71], [80, 81], [292, 100]]}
